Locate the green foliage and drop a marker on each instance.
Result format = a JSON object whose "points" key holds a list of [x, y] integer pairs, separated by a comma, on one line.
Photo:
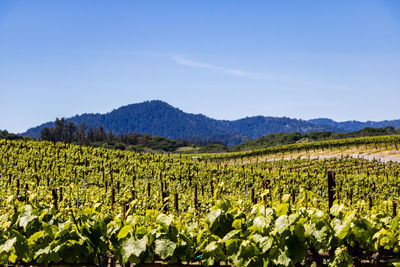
{"points": [[9, 136], [112, 203], [357, 142], [43, 235], [68, 132], [278, 139]]}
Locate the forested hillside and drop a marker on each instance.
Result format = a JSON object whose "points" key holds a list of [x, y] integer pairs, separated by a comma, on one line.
{"points": [[158, 118], [349, 126]]}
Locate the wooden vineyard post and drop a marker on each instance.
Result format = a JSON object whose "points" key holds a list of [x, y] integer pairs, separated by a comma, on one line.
{"points": [[351, 197], [189, 176], [253, 198], [77, 196], [394, 208], [176, 204], [212, 188], [125, 209], [112, 198], [331, 188], [266, 193], [75, 175], [61, 194], [148, 189], [196, 202], [370, 196], [164, 194], [55, 198], [293, 196], [17, 187], [26, 193]]}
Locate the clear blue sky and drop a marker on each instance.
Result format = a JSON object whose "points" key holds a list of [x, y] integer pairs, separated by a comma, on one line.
{"points": [[225, 59]]}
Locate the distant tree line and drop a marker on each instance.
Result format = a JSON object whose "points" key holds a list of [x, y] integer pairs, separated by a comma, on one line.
{"points": [[295, 137], [68, 132], [10, 136]]}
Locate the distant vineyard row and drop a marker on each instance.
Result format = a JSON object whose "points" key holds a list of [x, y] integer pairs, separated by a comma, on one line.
{"points": [[359, 142], [62, 203]]}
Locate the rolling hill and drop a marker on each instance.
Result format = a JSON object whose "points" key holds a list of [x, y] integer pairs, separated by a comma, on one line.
{"points": [[350, 126], [161, 119], [158, 118]]}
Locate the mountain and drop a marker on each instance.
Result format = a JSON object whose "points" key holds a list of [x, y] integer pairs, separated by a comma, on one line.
{"points": [[161, 119], [350, 126]]}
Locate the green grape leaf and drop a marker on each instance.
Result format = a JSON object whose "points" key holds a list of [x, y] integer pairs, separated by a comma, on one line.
{"points": [[211, 247], [124, 231], [266, 243], [165, 219], [134, 247], [230, 235], [342, 228], [35, 237], [260, 223], [237, 224], [26, 216], [6, 247], [282, 259], [282, 223], [214, 214], [282, 209], [165, 248]]}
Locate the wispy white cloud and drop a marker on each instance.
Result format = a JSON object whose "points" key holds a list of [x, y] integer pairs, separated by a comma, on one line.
{"points": [[195, 64], [182, 60]]}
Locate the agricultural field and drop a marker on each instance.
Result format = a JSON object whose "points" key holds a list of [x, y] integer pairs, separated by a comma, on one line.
{"points": [[280, 206]]}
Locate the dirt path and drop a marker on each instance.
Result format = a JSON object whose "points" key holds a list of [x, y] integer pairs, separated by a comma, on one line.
{"points": [[380, 154]]}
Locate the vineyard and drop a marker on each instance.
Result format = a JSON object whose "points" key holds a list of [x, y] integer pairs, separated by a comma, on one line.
{"points": [[63, 204]]}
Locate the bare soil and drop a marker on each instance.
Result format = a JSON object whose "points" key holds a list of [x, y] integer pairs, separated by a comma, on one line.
{"points": [[382, 154]]}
